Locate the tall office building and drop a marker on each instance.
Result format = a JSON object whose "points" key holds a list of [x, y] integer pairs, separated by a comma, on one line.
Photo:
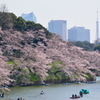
{"points": [[78, 34], [58, 27], [29, 17]]}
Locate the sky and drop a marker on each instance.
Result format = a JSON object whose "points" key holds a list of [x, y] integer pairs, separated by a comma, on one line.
{"points": [[75, 12]]}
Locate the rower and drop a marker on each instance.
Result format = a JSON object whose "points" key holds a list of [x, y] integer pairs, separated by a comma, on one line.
{"points": [[73, 96], [81, 94], [42, 93]]}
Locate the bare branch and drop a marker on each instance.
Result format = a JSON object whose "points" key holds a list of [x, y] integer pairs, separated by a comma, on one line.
{"points": [[3, 8]]}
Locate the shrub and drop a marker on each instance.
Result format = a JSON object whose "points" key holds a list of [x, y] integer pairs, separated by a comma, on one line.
{"points": [[30, 25], [97, 47], [10, 62], [55, 74], [17, 53], [20, 24], [34, 77]]}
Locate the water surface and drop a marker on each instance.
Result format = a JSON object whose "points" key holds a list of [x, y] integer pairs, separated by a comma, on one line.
{"points": [[55, 92]]}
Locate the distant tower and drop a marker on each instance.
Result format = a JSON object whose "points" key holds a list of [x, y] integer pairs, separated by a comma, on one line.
{"points": [[97, 28]]}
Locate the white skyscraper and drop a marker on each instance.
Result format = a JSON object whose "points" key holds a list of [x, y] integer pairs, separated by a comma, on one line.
{"points": [[29, 17], [58, 27], [78, 34]]}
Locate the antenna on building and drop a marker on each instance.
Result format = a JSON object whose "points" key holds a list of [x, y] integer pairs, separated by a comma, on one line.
{"points": [[97, 26], [97, 14]]}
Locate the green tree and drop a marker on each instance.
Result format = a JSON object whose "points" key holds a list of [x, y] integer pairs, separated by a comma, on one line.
{"points": [[38, 26], [30, 25], [97, 47], [85, 45], [3, 8], [5, 20], [20, 24]]}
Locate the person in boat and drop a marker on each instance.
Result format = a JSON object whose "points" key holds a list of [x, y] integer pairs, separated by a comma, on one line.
{"points": [[21, 98], [81, 94], [73, 96], [76, 96], [41, 92], [18, 99], [2, 95]]}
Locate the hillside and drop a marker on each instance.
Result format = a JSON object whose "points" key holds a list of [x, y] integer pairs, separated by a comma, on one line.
{"points": [[31, 57], [29, 54]]}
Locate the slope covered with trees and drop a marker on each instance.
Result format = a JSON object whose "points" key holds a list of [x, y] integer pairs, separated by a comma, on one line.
{"points": [[29, 54]]}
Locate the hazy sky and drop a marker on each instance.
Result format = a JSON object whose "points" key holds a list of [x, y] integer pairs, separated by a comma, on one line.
{"points": [[76, 12]]}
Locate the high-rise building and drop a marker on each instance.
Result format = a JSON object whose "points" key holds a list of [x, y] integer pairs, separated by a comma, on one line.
{"points": [[58, 27], [29, 17], [78, 34]]}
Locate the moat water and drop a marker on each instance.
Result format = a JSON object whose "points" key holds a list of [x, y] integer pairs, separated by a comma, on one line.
{"points": [[55, 92]]}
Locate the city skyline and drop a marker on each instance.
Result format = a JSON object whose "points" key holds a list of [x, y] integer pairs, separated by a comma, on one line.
{"points": [[77, 12]]}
